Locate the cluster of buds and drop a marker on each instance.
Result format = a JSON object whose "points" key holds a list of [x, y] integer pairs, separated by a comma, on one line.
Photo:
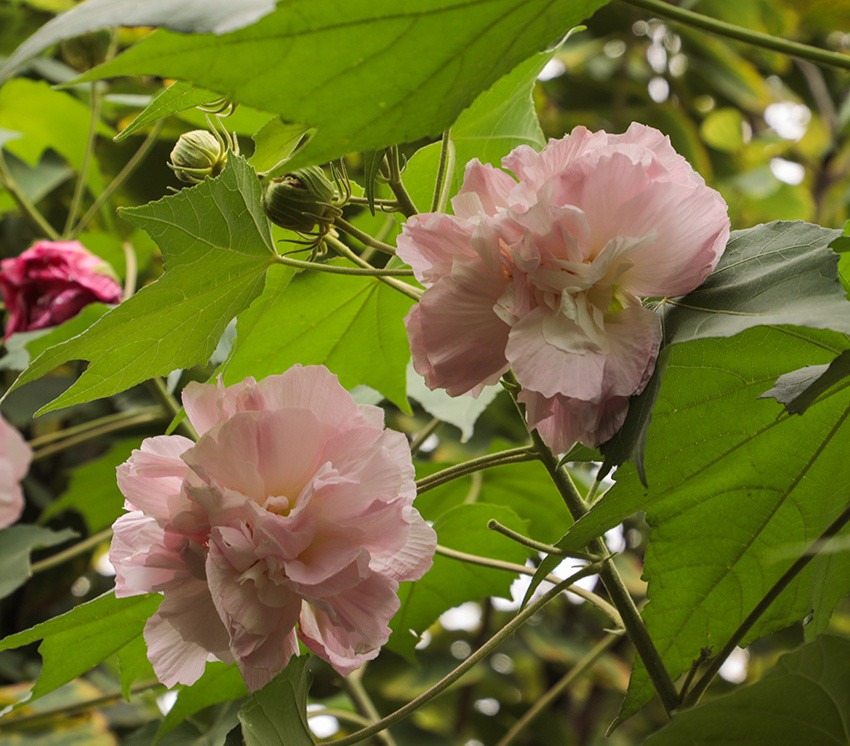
{"points": [[201, 153], [306, 201]]}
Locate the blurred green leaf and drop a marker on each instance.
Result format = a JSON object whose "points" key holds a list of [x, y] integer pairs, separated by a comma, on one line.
{"points": [[220, 682], [449, 50], [351, 324], [78, 640], [451, 582], [16, 544], [217, 248], [803, 699], [276, 715], [92, 491], [723, 129]]}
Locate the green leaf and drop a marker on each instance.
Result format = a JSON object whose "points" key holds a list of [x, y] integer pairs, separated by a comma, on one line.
{"points": [[176, 98], [274, 145], [276, 715], [133, 664], [75, 642], [353, 325], [378, 73], [220, 682], [723, 129], [799, 389], [93, 492], [737, 491], [450, 582], [778, 273], [216, 16], [499, 120], [217, 248], [16, 543], [803, 699]]}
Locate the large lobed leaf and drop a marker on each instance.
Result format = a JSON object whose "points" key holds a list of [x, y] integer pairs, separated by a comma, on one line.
{"points": [[196, 16], [78, 640], [804, 699], [351, 324], [379, 72], [737, 490], [217, 248]]}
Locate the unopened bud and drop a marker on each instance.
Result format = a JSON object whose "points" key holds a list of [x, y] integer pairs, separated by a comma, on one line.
{"points": [[196, 155], [301, 201]]}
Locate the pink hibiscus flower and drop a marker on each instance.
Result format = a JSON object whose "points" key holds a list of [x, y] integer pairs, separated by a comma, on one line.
{"points": [[15, 458], [293, 510], [543, 274]]}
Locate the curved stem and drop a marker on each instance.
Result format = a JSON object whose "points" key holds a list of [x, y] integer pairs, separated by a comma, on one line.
{"points": [[56, 442], [756, 38], [817, 546], [405, 203], [130, 166], [363, 237], [424, 434], [334, 712], [511, 456], [71, 552], [537, 546], [390, 204], [444, 172], [550, 696], [27, 208], [76, 707], [353, 684], [172, 406], [335, 270], [476, 657], [402, 287], [608, 572], [80, 186], [592, 598]]}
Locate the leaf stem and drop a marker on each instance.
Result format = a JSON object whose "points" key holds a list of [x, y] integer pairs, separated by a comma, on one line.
{"points": [[424, 434], [445, 171], [335, 270], [171, 405], [592, 598], [402, 287], [353, 684], [405, 203], [76, 707], [756, 38], [27, 208], [130, 166], [550, 696], [363, 237], [608, 573], [510, 456], [47, 445], [391, 204], [476, 657], [816, 547], [537, 546], [80, 186], [79, 548]]}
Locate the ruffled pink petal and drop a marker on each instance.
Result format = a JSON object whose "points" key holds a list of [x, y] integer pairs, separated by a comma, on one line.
{"points": [[208, 405], [489, 187], [339, 647], [15, 458], [415, 557], [152, 477], [431, 243], [456, 339], [634, 335]]}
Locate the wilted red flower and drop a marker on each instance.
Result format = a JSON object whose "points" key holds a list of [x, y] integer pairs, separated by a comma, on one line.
{"points": [[50, 283], [543, 274]]}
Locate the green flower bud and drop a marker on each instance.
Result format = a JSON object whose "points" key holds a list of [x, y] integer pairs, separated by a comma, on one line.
{"points": [[196, 155], [301, 201]]}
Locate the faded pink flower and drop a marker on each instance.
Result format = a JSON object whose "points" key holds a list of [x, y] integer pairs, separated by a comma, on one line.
{"points": [[50, 283], [15, 458], [293, 509], [542, 274]]}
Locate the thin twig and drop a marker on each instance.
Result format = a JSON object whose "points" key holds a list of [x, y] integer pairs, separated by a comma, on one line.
{"points": [[79, 548], [363, 237], [29, 210], [510, 456], [337, 270], [402, 287], [80, 186]]}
